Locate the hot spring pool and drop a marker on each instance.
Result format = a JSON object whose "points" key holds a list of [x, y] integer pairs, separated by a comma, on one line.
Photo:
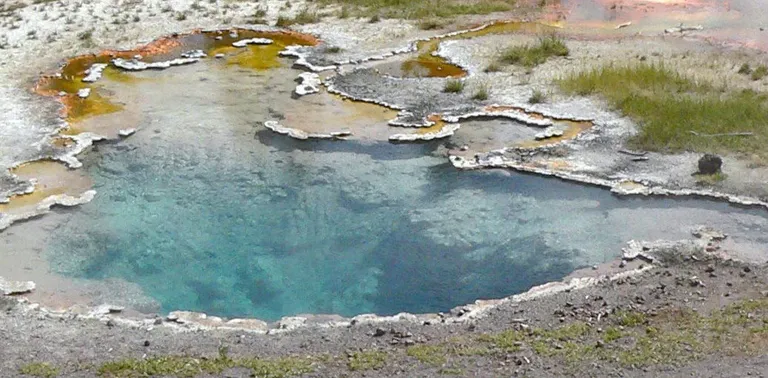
{"points": [[206, 210]]}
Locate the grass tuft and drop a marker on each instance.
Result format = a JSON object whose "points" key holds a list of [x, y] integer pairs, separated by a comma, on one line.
{"points": [[39, 369], [669, 106], [482, 92], [305, 16], [759, 73], [431, 24], [453, 86], [532, 55], [537, 97], [420, 10]]}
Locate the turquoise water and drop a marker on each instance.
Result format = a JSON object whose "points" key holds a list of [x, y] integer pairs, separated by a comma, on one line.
{"points": [[291, 238], [207, 211]]}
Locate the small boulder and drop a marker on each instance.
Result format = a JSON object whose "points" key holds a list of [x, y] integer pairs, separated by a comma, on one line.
{"points": [[710, 164]]}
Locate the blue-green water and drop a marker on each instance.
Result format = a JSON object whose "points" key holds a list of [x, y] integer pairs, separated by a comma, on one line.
{"points": [[207, 211], [394, 231]]}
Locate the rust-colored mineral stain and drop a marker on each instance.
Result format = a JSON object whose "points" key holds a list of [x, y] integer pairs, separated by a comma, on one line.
{"points": [[437, 126], [69, 79], [53, 178]]}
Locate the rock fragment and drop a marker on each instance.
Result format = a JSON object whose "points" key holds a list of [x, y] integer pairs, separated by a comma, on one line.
{"points": [[126, 132], [84, 93], [550, 132], [94, 73], [309, 83], [16, 287], [137, 65], [710, 164], [252, 41], [446, 131]]}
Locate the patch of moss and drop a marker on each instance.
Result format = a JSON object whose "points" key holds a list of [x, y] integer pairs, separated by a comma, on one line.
{"points": [[631, 318], [367, 360], [39, 369], [428, 354], [612, 334]]}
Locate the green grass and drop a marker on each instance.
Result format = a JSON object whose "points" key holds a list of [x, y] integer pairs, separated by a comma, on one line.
{"points": [[182, 366], [367, 360], [39, 369], [532, 55], [669, 107], [419, 10], [453, 86]]}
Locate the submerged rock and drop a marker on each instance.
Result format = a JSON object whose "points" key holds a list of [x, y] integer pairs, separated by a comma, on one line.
{"points": [[446, 131], [309, 83], [303, 135], [15, 287], [550, 132], [192, 54], [94, 73], [710, 164], [252, 41], [136, 65], [126, 132]]}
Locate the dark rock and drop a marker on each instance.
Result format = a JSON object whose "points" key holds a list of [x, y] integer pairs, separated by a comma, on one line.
{"points": [[146, 343], [110, 323], [747, 269], [379, 332], [710, 164]]}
